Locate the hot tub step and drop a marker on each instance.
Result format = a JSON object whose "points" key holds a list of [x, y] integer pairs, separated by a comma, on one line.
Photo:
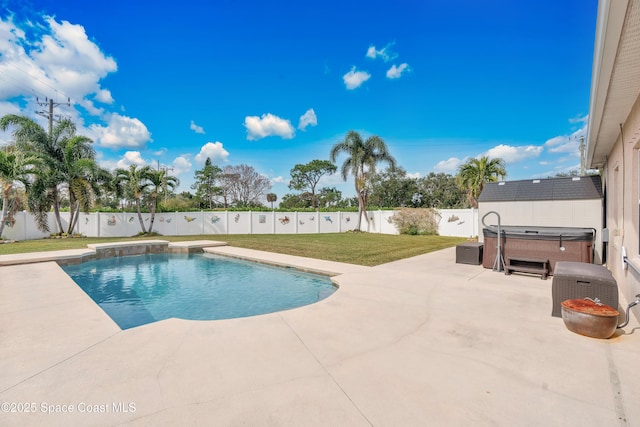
{"points": [[528, 265]]}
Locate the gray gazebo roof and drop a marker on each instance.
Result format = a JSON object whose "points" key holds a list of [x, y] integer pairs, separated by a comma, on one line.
{"points": [[570, 188]]}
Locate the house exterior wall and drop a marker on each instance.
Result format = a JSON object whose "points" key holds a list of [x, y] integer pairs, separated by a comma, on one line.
{"points": [[622, 197], [557, 213]]}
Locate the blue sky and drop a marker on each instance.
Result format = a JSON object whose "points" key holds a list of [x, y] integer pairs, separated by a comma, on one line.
{"points": [[273, 84]]}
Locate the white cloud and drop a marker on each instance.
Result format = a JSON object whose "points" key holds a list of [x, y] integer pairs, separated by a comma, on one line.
{"points": [[564, 144], [353, 79], [569, 143], [396, 72], [90, 107], [215, 151], [104, 96], [448, 166], [384, 53], [578, 119], [414, 175], [181, 164], [56, 60], [7, 108], [109, 165], [308, 119], [73, 63], [121, 132], [560, 144], [194, 127], [268, 125], [279, 180], [511, 154], [130, 158]]}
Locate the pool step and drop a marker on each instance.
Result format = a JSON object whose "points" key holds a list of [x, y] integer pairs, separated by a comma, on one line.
{"points": [[194, 246]]}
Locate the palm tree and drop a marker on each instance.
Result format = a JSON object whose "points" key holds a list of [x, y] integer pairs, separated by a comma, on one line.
{"points": [[15, 167], [159, 181], [82, 174], [133, 182], [476, 172], [66, 159], [271, 198], [31, 137], [362, 161]]}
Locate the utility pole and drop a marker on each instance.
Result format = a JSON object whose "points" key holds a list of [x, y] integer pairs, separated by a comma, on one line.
{"points": [[49, 114]]}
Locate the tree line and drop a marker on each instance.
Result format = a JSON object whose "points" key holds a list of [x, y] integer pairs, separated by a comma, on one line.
{"points": [[47, 172]]}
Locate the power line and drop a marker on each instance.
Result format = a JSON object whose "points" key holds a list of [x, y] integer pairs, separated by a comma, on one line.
{"points": [[16, 83], [35, 78]]}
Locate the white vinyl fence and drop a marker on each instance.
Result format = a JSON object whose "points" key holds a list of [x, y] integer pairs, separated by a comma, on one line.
{"points": [[453, 222]]}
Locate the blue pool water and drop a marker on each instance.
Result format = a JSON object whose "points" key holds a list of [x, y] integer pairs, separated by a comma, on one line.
{"points": [[137, 290]]}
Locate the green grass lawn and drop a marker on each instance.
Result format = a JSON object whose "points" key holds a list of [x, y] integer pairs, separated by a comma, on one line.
{"points": [[354, 248]]}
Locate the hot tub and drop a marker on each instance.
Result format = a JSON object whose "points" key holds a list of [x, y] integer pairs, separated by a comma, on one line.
{"points": [[543, 243]]}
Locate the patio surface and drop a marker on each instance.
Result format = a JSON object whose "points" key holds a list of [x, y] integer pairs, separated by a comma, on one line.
{"points": [[422, 341]]}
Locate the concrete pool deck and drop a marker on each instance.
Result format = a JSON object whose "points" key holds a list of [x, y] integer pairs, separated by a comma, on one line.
{"points": [[421, 341]]}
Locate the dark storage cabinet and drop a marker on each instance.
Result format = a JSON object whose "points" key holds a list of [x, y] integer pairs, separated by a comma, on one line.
{"points": [[577, 280], [469, 253]]}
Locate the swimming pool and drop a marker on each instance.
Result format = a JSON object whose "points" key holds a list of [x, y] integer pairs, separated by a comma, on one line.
{"points": [[136, 290]]}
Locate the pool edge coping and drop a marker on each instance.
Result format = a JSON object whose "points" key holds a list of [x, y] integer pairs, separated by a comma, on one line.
{"points": [[106, 250]]}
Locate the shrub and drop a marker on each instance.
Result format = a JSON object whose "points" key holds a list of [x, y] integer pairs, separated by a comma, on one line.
{"points": [[416, 221]]}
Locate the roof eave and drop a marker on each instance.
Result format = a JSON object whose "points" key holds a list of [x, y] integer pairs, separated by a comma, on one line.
{"points": [[609, 25]]}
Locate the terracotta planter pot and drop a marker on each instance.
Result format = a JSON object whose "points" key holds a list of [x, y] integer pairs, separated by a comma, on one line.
{"points": [[585, 317]]}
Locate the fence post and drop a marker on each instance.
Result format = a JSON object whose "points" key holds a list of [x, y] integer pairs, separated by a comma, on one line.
{"points": [[476, 227], [24, 224]]}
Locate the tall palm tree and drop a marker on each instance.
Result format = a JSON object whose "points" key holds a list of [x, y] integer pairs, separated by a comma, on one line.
{"points": [[82, 175], [134, 182], [67, 160], [15, 167], [160, 183], [476, 172], [363, 156], [31, 137]]}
